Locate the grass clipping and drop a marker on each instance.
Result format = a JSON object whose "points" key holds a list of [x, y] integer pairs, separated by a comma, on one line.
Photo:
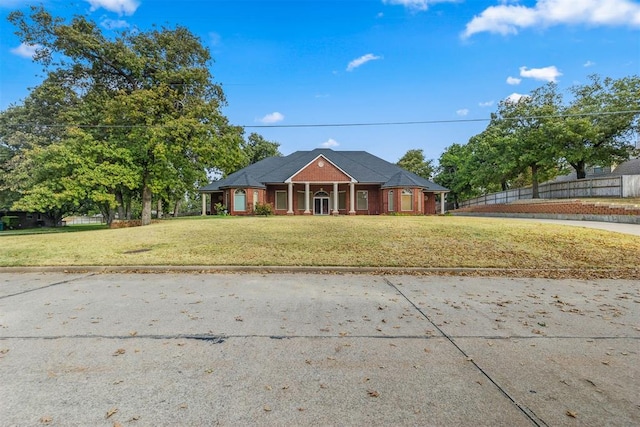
{"points": [[371, 241]]}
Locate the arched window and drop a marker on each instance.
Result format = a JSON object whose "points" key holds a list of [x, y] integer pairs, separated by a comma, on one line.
{"points": [[240, 200], [407, 199]]}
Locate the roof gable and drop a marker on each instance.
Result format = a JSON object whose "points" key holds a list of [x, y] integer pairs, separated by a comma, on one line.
{"points": [[320, 169]]}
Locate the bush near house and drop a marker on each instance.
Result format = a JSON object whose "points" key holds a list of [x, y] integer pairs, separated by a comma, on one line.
{"points": [[264, 209]]}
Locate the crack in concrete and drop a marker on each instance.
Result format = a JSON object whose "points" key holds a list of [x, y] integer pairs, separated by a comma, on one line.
{"points": [[527, 412]]}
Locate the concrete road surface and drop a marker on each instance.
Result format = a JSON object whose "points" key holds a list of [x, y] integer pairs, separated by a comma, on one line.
{"points": [[309, 349]]}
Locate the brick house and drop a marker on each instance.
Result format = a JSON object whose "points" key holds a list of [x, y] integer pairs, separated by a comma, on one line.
{"points": [[324, 182]]}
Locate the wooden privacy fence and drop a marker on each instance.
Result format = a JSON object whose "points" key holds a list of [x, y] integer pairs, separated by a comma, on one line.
{"points": [[612, 187]]}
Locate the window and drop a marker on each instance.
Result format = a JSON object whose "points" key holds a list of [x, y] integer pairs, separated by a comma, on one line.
{"points": [[390, 196], [301, 200], [407, 200], [361, 200], [239, 200], [281, 200], [342, 200], [255, 198]]}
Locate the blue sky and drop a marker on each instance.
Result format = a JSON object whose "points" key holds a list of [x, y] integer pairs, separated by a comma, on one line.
{"points": [[284, 63]]}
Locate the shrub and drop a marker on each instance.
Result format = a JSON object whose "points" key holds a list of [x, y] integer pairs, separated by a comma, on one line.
{"points": [[220, 209], [263, 209]]}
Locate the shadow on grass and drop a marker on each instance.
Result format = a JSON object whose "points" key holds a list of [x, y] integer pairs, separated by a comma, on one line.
{"points": [[54, 230]]}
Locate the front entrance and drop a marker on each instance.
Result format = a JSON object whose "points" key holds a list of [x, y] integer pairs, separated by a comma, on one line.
{"points": [[321, 203]]}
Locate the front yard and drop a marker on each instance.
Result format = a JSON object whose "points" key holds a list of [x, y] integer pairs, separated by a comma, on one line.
{"points": [[373, 241]]}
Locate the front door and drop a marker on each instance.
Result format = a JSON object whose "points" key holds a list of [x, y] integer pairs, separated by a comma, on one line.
{"points": [[321, 203]]}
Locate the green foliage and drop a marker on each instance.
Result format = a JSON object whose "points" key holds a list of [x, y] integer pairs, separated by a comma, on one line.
{"points": [[264, 209], [241, 153], [144, 101], [220, 209], [414, 161], [600, 122], [455, 173], [533, 139]]}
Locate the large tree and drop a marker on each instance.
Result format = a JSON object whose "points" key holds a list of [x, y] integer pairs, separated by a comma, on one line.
{"points": [[454, 173], [146, 97], [528, 128], [599, 123], [414, 161], [257, 148]]}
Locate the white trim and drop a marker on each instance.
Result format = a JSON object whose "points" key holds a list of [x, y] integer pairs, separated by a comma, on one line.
{"points": [[289, 180], [290, 199]]}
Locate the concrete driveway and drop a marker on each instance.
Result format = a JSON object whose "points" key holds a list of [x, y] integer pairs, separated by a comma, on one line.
{"points": [[309, 349]]}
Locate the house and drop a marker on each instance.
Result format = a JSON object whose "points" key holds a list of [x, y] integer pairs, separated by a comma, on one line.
{"points": [[324, 182], [22, 219]]}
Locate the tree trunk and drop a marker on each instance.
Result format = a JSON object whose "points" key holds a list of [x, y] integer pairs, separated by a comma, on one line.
{"points": [[146, 205], [108, 216], [120, 201], [176, 208], [581, 173], [534, 182]]}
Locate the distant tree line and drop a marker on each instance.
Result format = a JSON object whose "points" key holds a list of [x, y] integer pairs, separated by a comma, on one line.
{"points": [[117, 123], [541, 136]]}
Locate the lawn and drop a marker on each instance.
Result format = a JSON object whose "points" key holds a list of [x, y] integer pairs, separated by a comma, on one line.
{"points": [[372, 241]]}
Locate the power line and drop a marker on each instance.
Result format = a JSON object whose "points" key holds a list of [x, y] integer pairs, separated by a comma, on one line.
{"points": [[323, 125]]}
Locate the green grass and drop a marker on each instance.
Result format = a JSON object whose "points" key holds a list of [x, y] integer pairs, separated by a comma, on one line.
{"points": [[372, 241], [53, 230]]}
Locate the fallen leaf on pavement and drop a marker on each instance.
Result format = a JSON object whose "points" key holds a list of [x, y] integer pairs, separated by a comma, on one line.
{"points": [[571, 414], [110, 412]]}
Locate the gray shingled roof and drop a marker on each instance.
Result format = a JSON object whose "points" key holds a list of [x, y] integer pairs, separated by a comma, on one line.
{"points": [[360, 165], [630, 167]]}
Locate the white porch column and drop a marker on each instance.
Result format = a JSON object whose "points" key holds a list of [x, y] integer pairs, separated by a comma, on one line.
{"points": [[204, 203], [290, 199], [335, 199], [442, 195], [306, 199], [352, 198]]}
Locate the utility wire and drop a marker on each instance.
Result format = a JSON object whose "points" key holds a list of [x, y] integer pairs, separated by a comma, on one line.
{"points": [[356, 124]]}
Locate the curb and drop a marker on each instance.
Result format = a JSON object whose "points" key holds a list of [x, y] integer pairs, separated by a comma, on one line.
{"points": [[620, 219], [601, 273]]}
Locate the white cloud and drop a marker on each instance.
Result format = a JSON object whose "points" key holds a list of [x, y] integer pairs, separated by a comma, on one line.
{"points": [[485, 104], [25, 50], [515, 97], [362, 60], [510, 18], [513, 80], [589, 64], [547, 74], [330, 143], [121, 7], [114, 24], [417, 4], [274, 117], [462, 112]]}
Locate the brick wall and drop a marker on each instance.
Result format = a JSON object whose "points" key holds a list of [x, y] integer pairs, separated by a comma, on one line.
{"points": [[321, 170], [569, 207]]}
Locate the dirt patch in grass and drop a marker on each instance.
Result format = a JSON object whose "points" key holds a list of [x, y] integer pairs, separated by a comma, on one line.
{"points": [[376, 241]]}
